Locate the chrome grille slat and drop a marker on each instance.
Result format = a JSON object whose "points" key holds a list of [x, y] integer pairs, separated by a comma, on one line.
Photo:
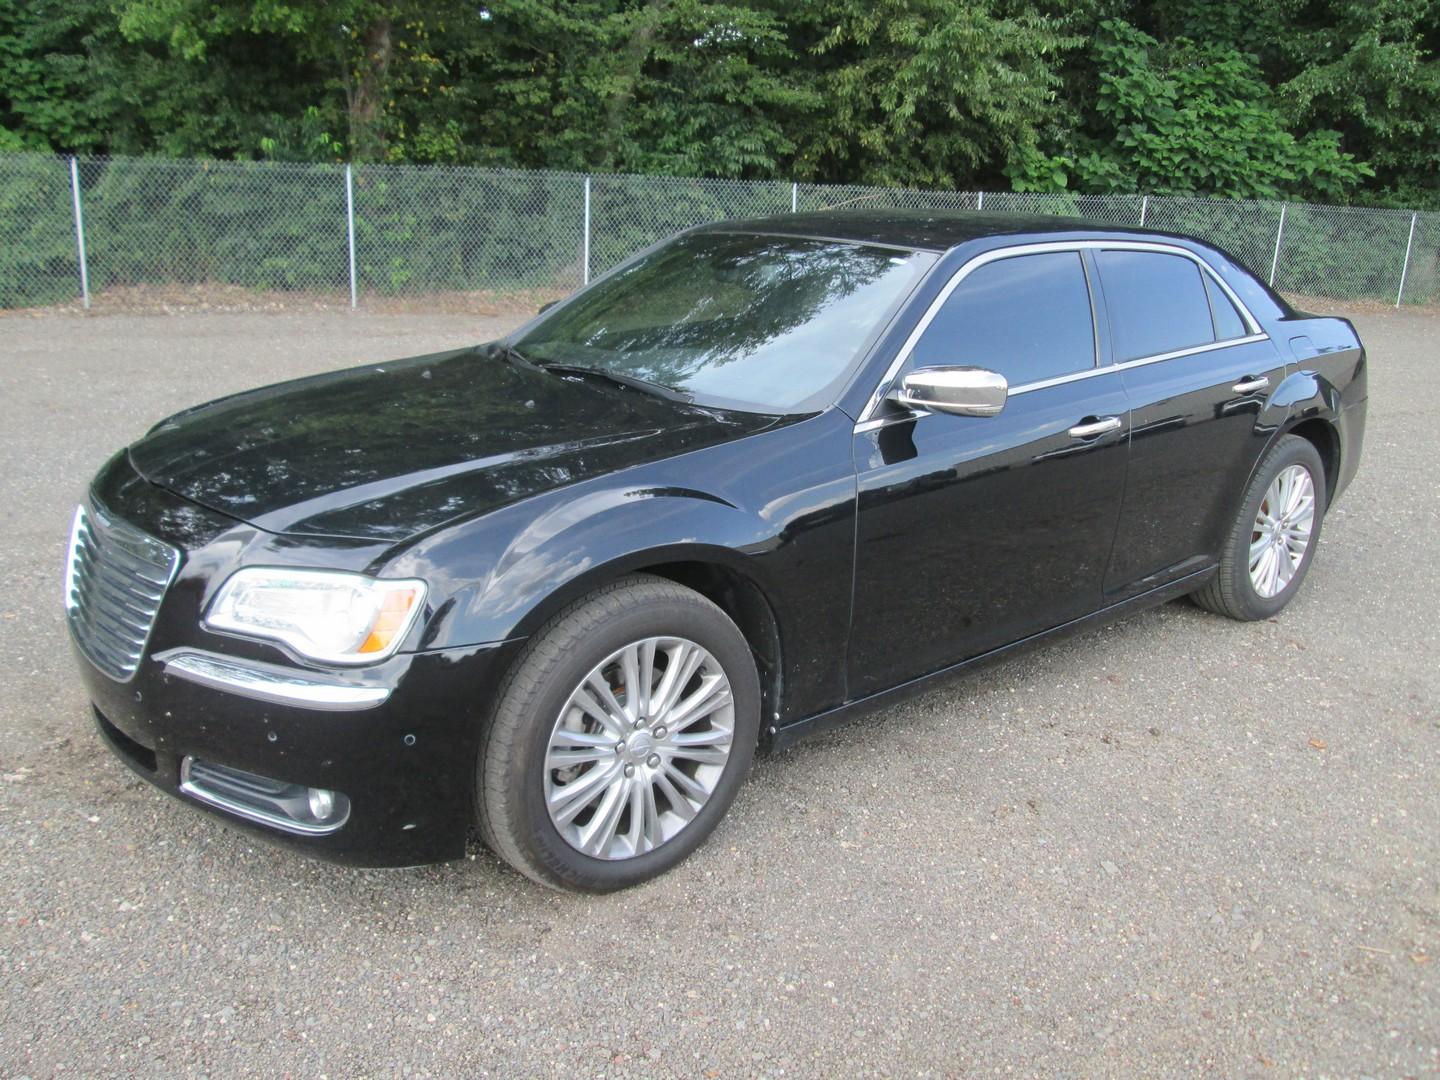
{"points": [[99, 620], [99, 632], [116, 575], [126, 560], [116, 653], [122, 592], [131, 607]]}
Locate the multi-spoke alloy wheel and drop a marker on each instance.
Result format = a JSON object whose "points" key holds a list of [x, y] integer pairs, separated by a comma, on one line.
{"points": [[622, 734], [1281, 535], [1271, 541], [638, 747]]}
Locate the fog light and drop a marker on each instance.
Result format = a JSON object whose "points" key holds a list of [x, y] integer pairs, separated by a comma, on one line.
{"points": [[281, 804], [322, 803]]}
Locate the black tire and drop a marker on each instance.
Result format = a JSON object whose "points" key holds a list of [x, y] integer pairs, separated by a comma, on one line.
{"points": [[510, 780], [1231, 592]]}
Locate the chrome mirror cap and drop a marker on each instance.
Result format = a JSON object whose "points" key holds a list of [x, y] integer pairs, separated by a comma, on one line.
{"points": [[962, 391]]}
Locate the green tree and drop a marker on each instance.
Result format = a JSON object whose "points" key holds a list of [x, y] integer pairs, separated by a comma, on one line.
{"points": [[1275, 97], [1368, 71], [679, 87], [43, 99], [1184, 117], [359, 55], [71, 81], [926, 92]]}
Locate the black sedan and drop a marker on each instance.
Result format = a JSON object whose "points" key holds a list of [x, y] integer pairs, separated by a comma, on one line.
{"points": [[762, 477]]}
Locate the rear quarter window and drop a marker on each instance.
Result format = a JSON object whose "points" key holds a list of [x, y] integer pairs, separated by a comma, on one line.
{"points": [[1228, 323], [1157, 303]]}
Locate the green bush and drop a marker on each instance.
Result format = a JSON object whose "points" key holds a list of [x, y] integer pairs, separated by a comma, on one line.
{"points": [[1342, 252], [38, 263], [628, 213], [273, 226], [255, 224], [422, 229]]}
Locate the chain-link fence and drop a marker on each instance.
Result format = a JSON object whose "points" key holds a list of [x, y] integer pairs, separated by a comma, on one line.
{"points": [[73, 228]]}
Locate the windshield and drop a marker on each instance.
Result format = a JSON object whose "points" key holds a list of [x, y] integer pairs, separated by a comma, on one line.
{"points": [[761, 323]]}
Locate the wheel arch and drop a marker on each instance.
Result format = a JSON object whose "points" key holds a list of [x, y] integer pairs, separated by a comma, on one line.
{"points": [[747, 604], [1322, 435], [1315, 424], [719, 575]]}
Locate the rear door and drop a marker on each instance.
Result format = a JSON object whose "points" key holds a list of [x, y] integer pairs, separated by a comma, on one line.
{"points": [[974, 532], [1197, 372]]}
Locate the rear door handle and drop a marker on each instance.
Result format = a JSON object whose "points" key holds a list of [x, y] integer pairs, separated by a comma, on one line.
{"points": [[1250, 385], [1091, 428]]}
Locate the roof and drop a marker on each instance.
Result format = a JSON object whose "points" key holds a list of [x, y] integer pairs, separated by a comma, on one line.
{"points": [[923, 230]]}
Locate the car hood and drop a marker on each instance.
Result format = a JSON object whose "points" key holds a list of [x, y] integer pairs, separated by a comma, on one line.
{"points": [[394, 449]]}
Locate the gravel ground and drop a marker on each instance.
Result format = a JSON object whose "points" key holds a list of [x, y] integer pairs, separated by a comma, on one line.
{"points": [[1175, 845]]}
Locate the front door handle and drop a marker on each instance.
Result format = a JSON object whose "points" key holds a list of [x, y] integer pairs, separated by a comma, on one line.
{"points": [[1250, 384], [1088, 429]]}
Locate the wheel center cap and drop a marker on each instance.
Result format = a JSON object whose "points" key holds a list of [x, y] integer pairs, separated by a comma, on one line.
{"points": [[639, 746]]}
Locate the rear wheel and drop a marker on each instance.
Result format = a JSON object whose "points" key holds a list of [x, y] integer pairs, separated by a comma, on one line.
{"points": [[1270, 546], [620, 739]]}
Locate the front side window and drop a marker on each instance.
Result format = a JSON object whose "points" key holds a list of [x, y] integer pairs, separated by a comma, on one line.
{"points": [[735, 320], [1027, 317], [1157, 303]]}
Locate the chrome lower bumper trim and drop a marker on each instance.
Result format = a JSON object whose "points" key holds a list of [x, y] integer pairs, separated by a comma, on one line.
{"points": [[256, 798], [267, 682]]}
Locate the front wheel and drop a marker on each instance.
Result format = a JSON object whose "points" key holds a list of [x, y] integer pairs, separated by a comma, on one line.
{"points": [[1269, 549], [620, 738]]}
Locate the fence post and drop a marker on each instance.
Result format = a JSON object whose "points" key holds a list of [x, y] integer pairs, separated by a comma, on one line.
{"points": [[585, 243], [794, 197], [979, 200], [79, 233], [1144, 208], [1405, 269], [1279, 233], [350, 226]]}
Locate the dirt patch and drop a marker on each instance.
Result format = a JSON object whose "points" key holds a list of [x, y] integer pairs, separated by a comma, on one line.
{"points": [[1323, 305], [235, 299]]}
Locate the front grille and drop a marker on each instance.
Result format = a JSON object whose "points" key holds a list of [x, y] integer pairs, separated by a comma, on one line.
{"points": [[115, 577]]}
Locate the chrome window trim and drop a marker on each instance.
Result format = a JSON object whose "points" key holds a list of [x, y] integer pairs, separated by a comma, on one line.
{"points": [[868, 421], [1124, 365], [269, 683]]}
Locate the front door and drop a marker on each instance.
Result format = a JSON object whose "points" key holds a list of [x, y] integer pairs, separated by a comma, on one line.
{"points": [[974, 532]]}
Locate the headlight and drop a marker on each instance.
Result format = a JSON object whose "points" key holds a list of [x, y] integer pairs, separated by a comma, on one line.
{"points": [[326, 615]]}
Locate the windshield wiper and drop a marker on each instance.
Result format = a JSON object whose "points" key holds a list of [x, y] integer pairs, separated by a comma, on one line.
{"points": [[514, 356], [630, 382]]}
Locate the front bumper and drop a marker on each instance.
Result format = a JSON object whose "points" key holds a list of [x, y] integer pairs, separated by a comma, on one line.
{"points": [[406, 764], [399, 738]]}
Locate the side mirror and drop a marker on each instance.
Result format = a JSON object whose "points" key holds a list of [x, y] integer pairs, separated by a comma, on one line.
{"points": [[962, 391]]}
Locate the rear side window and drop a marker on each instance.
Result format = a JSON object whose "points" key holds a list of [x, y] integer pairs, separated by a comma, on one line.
{"points": [[1027, 317], [1228, 323], [1157, 303]]}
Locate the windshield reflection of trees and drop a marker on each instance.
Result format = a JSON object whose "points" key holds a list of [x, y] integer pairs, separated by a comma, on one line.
{"points": [[709, 301]]}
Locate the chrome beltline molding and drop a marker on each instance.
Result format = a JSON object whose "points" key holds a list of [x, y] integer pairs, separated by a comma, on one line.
{"points": [[868, 421], [1125, 365], [264, 682]]}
